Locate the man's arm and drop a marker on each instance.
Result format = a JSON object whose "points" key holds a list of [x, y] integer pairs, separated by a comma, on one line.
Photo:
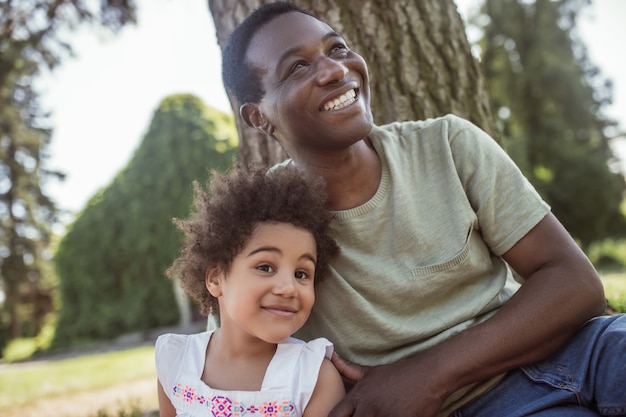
{"points": [[561, 292]]}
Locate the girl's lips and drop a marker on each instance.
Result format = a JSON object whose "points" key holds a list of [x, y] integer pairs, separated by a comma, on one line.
{"points": [[282, 311]]}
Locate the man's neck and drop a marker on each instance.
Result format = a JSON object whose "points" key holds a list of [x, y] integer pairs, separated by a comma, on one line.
{"points": [[352, 177]]}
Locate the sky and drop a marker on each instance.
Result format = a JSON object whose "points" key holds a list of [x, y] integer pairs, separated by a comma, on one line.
{"points": [[103, 99]]}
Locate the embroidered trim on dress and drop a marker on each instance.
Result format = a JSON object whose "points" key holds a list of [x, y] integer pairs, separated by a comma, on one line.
{"points": [[222, 406]]}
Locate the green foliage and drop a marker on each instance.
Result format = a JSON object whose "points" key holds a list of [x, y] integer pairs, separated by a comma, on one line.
{"points": [[609, 258], [24, 348], [19, 349], [29, 43], [26, 213], [608, 254], [549, 100], [111, 263]]}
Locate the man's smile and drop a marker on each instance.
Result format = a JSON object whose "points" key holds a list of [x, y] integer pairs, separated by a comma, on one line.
{"points": [[340, 102]]}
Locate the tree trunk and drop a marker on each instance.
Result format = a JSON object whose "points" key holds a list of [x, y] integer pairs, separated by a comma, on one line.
{"points": [[184, 306], [418, 55]]}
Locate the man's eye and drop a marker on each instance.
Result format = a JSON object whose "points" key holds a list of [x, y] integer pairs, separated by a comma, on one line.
{"points": [[298, 65], [338, 48], [265, 268]]}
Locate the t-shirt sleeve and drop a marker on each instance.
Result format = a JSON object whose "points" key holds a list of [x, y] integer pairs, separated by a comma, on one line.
{"points": [[506, 204], [168, 353]]}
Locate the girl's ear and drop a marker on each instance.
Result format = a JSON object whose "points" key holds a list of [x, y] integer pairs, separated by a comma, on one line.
{"points": [[213, 281], [251, 114]]}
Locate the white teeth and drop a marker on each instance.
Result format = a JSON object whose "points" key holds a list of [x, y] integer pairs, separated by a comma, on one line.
{"points": [[341, 101]]}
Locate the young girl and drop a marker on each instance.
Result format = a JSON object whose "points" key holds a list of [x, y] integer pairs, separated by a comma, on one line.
{"points": [[252, 252]]}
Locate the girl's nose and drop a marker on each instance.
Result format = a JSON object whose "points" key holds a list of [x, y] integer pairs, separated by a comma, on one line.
{"points": [[284, 285]]}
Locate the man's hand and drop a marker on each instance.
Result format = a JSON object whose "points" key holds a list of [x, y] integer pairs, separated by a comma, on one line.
{"points": [[399, 389], [350, 370]]}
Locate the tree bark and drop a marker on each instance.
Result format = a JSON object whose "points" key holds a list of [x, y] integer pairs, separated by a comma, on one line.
{"points": [[419, 59]]}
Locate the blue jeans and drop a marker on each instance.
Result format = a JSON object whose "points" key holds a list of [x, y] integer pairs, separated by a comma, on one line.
{"points": [[587, 377]]}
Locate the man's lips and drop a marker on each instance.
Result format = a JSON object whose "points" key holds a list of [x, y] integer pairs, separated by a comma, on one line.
{"points": [[341, 101]]}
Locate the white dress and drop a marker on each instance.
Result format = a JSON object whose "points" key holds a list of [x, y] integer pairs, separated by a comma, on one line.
{"points": [[286, 390]]}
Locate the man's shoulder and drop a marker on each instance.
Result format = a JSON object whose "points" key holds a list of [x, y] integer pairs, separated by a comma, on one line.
{"points": [[405, 128], [405, 134]]}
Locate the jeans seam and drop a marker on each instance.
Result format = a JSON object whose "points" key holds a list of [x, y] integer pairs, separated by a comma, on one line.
{"points": [[562, 385]]}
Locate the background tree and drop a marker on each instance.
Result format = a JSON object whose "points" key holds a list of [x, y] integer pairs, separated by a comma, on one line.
{"points": [[419, 59], [111, 262], [30, 41], [549, 98]]}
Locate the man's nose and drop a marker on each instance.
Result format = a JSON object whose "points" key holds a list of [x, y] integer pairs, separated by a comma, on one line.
{"points": [[330, 70]]}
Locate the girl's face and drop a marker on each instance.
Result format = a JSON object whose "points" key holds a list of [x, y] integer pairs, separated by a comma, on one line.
{"points": [[268, 291]]}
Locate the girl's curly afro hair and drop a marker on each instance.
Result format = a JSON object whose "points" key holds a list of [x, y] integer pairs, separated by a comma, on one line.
{"points": [[223, 220]]}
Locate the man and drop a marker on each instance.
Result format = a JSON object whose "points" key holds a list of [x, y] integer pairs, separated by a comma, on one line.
{"points": [[431, 217]]}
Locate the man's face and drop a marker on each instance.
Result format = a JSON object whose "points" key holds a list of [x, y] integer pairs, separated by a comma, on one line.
{"points": [[316, 88]]}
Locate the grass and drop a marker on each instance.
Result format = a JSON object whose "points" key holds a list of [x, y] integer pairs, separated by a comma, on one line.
{"points": [[132, 411], [23, 383]]}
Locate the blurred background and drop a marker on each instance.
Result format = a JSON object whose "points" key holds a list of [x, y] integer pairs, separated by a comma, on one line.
{"points": [[107, 116]]}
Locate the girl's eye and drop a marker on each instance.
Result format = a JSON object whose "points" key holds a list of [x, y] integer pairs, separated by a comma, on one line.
{"points": [[301, 275], [265, 268]]}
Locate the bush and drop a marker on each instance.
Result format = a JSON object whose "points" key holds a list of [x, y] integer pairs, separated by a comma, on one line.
{"points": [[111, 262]]}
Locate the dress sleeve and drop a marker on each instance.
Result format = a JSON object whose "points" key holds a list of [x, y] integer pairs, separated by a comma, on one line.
{"points": [[168, 354], [310, 361]]}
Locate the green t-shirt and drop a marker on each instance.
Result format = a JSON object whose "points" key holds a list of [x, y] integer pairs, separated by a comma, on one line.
{"points": [[420, 261]]}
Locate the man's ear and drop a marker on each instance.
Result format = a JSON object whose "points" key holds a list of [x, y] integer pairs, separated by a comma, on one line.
{"points": [[213, 281], [251, 114]]}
